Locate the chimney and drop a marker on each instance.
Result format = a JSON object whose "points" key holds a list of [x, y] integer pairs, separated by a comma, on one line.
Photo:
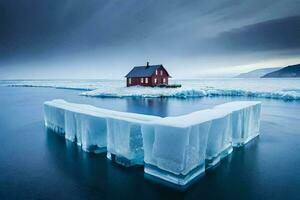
{"points": [[147, 64]]}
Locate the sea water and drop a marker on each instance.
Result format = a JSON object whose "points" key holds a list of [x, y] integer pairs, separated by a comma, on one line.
{"points": [[48, 166]]}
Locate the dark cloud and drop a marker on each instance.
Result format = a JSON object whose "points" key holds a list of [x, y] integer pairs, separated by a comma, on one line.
{"points": [[175, 31], [278, 34], [35, 25]]}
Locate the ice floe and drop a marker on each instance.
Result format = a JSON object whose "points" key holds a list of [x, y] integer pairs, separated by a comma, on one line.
{"points": [[286, 89], [175, 149]]}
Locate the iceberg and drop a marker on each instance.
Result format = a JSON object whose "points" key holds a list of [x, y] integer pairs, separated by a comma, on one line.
{"points": [[175, 149], [95, 129], [80, 123], [54, 116], [191, 92], [219, 137], [124, 138], [87, 130], [245, 120], [120, 132]]}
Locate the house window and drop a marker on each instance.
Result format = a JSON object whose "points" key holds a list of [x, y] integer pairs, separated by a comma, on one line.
{"points": [[142, 80], [146, 80], [129, 81], [156, 72], [164, 80], [155, 80], [161, 72]]}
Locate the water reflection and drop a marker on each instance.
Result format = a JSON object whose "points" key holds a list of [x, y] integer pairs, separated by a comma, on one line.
{"points": [[111, 180], [151, 106], [116, 182]]}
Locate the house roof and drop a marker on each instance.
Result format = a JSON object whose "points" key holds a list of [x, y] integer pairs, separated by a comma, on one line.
{"points": [[143, 71]]}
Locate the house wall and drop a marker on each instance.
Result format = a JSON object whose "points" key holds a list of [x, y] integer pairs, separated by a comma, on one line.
{"points": [[137, 81], [151, 80], [159, 77]]}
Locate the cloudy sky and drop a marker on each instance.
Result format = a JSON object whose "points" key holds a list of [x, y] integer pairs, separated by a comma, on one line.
{"points": [[105, 38]]}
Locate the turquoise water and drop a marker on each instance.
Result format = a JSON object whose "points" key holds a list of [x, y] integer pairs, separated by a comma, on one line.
{"points": [[38, 164]]}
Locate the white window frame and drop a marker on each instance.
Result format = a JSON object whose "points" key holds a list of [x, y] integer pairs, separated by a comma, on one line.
{"points": [[129, 81], [155, 80], [156, 72], [142, 80], [164, 80], [146, 80], [161, 72]]}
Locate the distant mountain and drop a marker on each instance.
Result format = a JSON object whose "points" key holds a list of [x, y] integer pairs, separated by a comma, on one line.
{"points": [[257, 73], [286, 72]]}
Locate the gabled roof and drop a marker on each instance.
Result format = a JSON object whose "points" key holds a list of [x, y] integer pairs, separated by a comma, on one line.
{"points": [[144, 71]]}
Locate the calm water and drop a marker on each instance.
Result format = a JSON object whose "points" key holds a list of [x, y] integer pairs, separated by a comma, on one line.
{"points": [[36, 164]]}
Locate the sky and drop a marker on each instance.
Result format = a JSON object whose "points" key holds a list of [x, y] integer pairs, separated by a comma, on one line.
{"points": [[104, 39]]}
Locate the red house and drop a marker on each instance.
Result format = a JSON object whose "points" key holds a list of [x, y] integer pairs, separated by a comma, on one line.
{"points": [[149, 75]]}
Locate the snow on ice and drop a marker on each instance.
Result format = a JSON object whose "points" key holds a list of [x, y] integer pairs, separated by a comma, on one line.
{"points": [[286, 89]]}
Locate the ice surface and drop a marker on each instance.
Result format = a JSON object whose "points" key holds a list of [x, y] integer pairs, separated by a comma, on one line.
{"points": [[287, 89], [124, 139], [87, 130], [81, 124], [245, 120], [186, 92], [175, 149], [54, 116], [90, 126], [219, 137], [178, 149], [123, 131]]}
